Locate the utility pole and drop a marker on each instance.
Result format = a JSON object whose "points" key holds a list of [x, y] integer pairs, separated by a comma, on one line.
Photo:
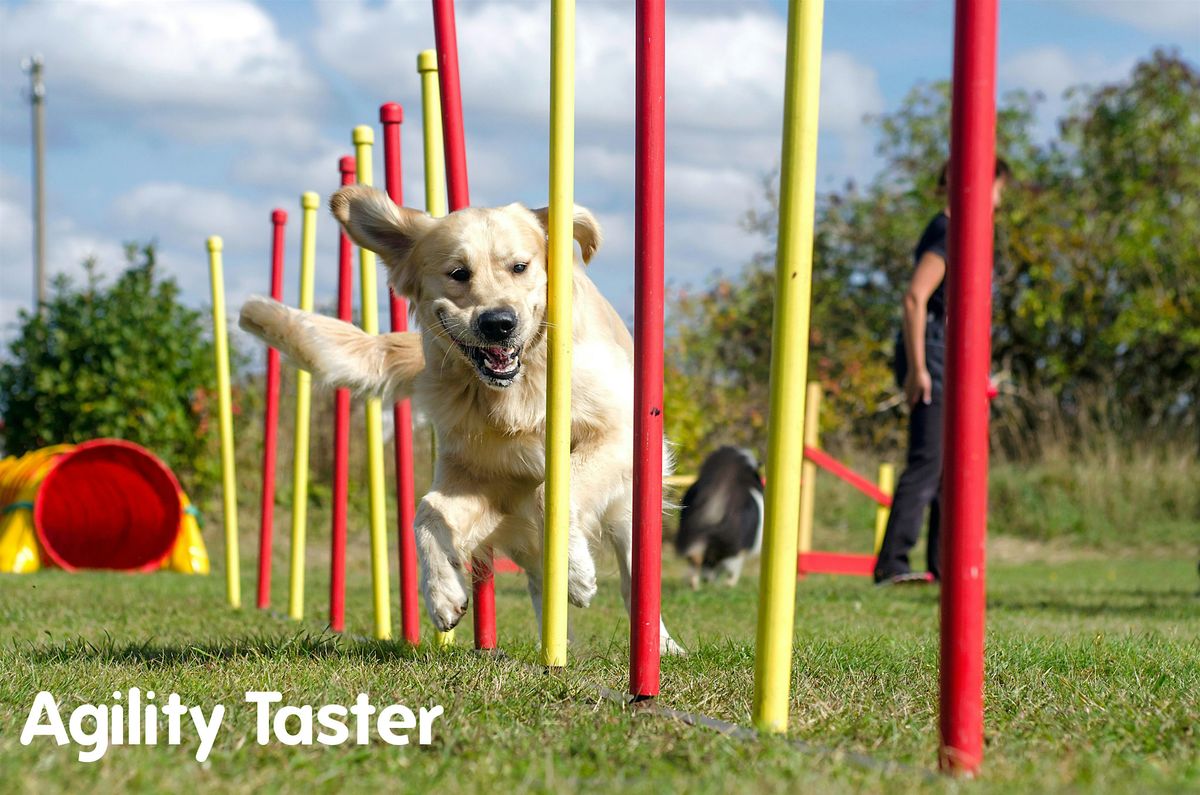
{"points": [[37, 98]]}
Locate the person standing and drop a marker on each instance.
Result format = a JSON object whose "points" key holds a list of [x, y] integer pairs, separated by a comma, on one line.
{"points": [[920, 369]]}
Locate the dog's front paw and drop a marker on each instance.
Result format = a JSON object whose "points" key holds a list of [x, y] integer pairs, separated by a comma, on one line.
{"points": [[446, 600], [264, 318], [446, 613]]}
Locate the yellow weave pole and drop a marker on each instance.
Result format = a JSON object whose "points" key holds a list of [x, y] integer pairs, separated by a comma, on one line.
{"points": [[435, 154], [789, 365], [364, 139], [435, 199], [561, 267], [309, 202], [216, 272], [808, 470], [887, 484]]}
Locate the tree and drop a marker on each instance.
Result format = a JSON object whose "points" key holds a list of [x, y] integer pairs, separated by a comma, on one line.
{"points": [[127, 361], [1097, 278]]}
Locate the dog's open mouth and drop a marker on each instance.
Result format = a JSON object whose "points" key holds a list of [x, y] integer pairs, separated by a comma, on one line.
{"points": [[497, 364]]}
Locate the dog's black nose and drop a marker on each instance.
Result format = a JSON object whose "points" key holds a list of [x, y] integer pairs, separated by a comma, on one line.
{"points": [[497, 325]]}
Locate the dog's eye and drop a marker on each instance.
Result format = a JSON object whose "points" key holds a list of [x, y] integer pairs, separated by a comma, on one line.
{"points": [[460, 275], [520, 267]]}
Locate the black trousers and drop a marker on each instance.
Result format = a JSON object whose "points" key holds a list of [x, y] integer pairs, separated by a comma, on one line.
{"points": [[920, 485]]}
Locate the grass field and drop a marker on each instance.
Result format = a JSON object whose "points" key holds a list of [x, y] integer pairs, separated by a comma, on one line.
{"points": [[1093, 685]]}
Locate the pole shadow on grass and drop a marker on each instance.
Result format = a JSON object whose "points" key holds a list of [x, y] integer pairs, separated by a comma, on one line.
{"points": [[1167, 605]]}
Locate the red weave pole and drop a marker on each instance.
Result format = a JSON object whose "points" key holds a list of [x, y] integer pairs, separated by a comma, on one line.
{"points": [[341, 429], [455, 143], [454, 139], [968, 356], [836, 468], [645, 612], [266, 524], [391, 115]]}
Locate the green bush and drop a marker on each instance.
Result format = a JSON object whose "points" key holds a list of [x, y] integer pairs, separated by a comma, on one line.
{"points": [[125, 360]]}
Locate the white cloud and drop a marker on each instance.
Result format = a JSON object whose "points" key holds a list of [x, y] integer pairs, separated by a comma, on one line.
{"points": [[182, 217], [216, 70], [1152, 16], [184, 214], [67, 243], [724, 71], [1052, 70], [728, 190], [391, 34], [849, 91], [226, 90], [16, 228], [701, 246], [724, 96], [16, 256], [67, 246], [179, 217], [314, 165], [221, 77]]}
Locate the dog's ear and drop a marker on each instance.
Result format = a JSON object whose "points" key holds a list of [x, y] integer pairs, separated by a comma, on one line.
{"points": [[585, 229], [375, 222]]}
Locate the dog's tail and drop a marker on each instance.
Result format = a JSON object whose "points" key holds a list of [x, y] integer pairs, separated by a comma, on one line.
{"points": [[338, 354]]}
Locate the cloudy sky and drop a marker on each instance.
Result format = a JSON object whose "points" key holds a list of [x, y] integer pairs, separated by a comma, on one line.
{"points": [[177, 119]]}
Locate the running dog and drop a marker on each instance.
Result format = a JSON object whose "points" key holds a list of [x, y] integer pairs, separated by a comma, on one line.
{"points": [[722, 518], [476, 280]]}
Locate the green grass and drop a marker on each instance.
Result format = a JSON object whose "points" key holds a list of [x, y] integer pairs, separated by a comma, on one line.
{"points": [[1112, 497], [1093, 683]]}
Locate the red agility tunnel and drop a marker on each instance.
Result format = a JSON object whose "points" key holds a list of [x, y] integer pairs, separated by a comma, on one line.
{"points": [[108, 504]]}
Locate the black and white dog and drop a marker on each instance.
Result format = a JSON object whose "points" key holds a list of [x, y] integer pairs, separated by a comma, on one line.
{"points": [[722, 518]]}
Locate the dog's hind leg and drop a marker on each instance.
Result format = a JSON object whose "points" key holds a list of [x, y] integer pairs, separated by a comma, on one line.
{"points": [[533, 582], [695, 559], [733, 569], [531, 564], [337, 353], [620, 534], [581, 567]]}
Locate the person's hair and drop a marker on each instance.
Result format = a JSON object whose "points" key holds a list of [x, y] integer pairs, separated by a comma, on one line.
{"points": [[1002, 172]]}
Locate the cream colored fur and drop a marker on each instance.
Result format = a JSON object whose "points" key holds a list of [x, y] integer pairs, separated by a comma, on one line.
{"points": [[489, 481]]}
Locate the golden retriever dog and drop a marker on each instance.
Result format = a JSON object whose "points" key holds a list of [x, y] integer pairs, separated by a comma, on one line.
{"points": [[477, 283]]}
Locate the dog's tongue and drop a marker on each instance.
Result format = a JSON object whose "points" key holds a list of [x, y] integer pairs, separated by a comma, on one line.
{"points": [[499, 359]]}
